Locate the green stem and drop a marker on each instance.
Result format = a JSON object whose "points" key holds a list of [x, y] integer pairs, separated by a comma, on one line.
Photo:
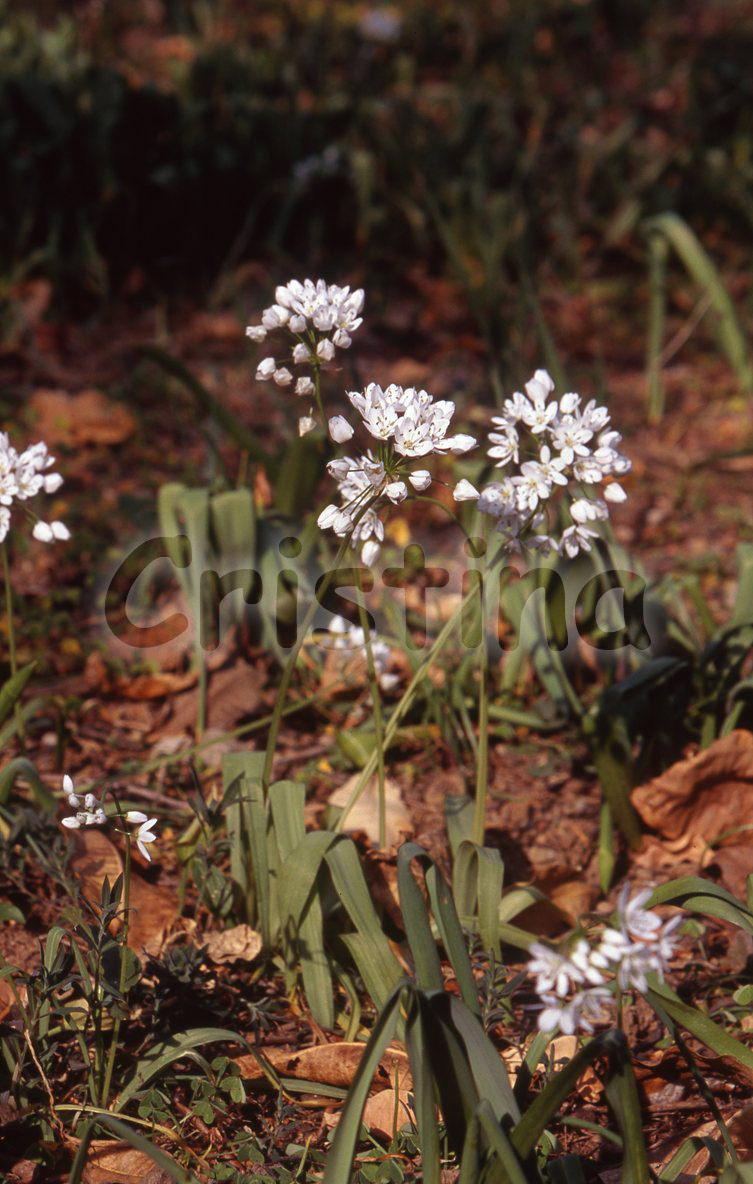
{"points": [[11, 637], [376, 703], [318, 394], [482, 757], [287, 673], [402, 707], [123, 968]]}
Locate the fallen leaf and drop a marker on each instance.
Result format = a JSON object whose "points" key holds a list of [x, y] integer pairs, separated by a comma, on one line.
{"points": [[703, 794], [388, 1111], [741, 1130], [86, 418], [233, 694], [364, 816], [328, 1064], [154, 910], [119, 1163], [701, 797], [239, 944]]}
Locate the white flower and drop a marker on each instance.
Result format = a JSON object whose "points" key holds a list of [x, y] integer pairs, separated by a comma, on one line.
{"points": [[266, 368], [306, 424], [465, 492], [339, 429], [144, 833], [305, 386], [301, 354], [575, 539], [578, 1013], [588, 510], [420, 479], [43, 532], [341, 339], [325, 350], [282, 377], [370, 553], [553, 969], [92, 813], [256, 332], [4, 523], [614, 493]]}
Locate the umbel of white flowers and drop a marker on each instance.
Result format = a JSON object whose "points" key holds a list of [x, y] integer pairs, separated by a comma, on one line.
{"points": [[552, 452], [407, 424], [640, 944], [23, 476], [91, 812], [321, 319]]}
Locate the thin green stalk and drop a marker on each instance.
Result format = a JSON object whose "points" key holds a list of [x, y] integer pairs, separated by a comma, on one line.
{"points": [[287, 674], [11, 637], [402, 707], [376, 703], [123, 968], [318, 394], [482, 756]]}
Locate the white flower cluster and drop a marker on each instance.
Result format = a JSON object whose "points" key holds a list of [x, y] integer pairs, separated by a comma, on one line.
{"points": [[22, 476], [91, 813], [322, 318], [406, 423], [642, 943], [547, 445], [344, 636]]}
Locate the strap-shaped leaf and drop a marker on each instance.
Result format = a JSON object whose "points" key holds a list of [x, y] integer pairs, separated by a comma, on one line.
{"points": [[339, 1164], [703, 896], [479, 894], [13, 689], [664, 999], [168, 1051]]}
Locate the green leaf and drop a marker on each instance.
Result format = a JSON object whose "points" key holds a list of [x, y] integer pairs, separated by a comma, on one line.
{"points": [[13, 689], [703, 896], [339, 1163], [663, 998], [168, 1051], [22, 769], [164, 1161]]}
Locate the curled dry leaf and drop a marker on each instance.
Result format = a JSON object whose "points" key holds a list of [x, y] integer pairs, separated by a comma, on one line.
{"points": [[328, 1064], [364, 816], [239, 944], [118, 1163], [706, 797]]}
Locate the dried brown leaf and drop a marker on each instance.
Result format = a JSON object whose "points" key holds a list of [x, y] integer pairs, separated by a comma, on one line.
{"points": [[239, 944]]}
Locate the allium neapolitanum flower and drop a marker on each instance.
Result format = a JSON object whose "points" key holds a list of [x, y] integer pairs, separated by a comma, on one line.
{"points": [[90, 812], [320, 318], [550, 451], [407, 424], [23, 476], [590, 973]]}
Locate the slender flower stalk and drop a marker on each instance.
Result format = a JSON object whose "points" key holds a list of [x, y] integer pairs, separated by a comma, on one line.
{"points": [[289, 667], [376, 703]]}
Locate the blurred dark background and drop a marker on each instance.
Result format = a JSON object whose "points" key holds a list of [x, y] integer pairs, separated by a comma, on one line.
{"points": [[153, 146]]}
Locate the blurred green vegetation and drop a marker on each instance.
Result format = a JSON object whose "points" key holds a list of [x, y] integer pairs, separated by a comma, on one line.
{"points": [[159, 145]]}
